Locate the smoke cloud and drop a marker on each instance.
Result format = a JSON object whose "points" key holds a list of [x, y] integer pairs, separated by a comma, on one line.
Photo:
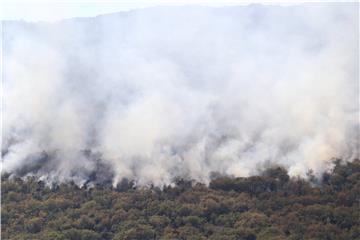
{"points": [[167, 92]]}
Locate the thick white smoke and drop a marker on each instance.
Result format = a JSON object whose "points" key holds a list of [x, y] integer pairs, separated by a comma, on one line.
{"points": [[161, 93]]}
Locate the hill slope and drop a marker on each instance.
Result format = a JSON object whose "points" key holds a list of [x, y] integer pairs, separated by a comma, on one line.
{"points": [[270, 206]]}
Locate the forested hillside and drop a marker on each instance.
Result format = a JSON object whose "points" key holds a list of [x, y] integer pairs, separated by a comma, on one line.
{"points": [[268, 206]]}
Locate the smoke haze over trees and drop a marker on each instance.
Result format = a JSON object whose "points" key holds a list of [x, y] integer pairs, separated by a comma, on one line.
{"points": [[164, 93]]}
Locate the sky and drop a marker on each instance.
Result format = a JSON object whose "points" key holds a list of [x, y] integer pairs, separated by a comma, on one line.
{"points": [[53, 10]]}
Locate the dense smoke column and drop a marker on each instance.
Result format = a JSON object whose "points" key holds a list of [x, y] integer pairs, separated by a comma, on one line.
{"points": [[161, 93]]}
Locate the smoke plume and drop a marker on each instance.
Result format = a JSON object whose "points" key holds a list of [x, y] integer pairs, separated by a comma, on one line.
{"points": [[167, 92]]}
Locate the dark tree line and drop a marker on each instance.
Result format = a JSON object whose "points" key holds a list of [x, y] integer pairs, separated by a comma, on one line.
{"points": [[269, 206]]}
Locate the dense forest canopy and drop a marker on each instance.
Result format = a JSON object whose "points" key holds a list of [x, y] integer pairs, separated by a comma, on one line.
{"points": [[268, 206]]}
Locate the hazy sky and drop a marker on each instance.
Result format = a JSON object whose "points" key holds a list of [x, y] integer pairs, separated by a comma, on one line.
{"points": [[52, 10]]}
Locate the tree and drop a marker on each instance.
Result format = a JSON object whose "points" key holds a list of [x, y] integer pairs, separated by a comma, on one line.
{"points": [[34, 225]]}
